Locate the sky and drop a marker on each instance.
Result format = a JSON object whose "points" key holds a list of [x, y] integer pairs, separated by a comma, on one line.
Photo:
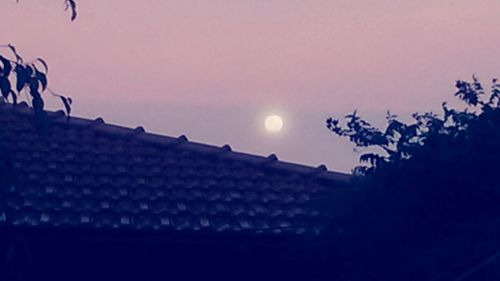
{"points": [[214, 69]]}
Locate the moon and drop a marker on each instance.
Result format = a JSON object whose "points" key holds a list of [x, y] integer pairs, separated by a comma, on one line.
{"points": [[273, 123]]}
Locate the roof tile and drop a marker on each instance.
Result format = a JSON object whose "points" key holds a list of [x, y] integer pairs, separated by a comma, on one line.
{"points": [[86, 173]]}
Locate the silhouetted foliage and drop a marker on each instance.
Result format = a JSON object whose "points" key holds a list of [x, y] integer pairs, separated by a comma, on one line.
{"points": [[70, 5], [401, 141], [29, 79], [417, 181], [19, 78]]}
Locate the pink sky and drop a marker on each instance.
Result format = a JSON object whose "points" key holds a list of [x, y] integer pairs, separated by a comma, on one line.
{"points": [[213, 69]]}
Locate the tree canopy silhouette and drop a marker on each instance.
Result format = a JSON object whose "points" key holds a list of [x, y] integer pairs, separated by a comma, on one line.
{"points": [[401, 141], [417, 180]]}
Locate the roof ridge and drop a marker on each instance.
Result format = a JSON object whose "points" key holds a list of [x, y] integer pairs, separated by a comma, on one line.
{"points": [[182, 142]]}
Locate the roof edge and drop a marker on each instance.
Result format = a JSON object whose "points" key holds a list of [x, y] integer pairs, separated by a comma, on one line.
{"points": [[181, 142]]}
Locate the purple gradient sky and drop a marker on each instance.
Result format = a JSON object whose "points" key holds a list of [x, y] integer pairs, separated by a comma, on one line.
{"points": [[213, 69]]}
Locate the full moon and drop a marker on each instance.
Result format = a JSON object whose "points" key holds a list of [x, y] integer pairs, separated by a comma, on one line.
{"points": [[273, 123]]}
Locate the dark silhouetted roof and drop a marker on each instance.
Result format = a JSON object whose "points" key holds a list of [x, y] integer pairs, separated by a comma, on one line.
{"points": [[88, 174]]}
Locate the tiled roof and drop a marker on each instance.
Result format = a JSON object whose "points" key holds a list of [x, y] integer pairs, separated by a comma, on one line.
{"points": [[88, 174]]}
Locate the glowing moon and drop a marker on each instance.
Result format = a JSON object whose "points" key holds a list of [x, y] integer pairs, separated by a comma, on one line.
{"points": [[273, 123]]}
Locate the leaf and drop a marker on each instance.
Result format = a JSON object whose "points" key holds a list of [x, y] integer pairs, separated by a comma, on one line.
{"points": [[21, 77], [71, 4], [42, 78], [45, 65], [13, 49], [67, 101], [67, 104], [5, 86], [7, 67], [29, 70]]}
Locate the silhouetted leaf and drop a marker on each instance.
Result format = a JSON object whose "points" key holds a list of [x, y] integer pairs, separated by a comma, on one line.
{"points": [[19, 59], [45, 65], [5, 86], [42, 78], [22, 77], [29, 70], [71, 4], [67, 104], [7, 67], [67, 101]]}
